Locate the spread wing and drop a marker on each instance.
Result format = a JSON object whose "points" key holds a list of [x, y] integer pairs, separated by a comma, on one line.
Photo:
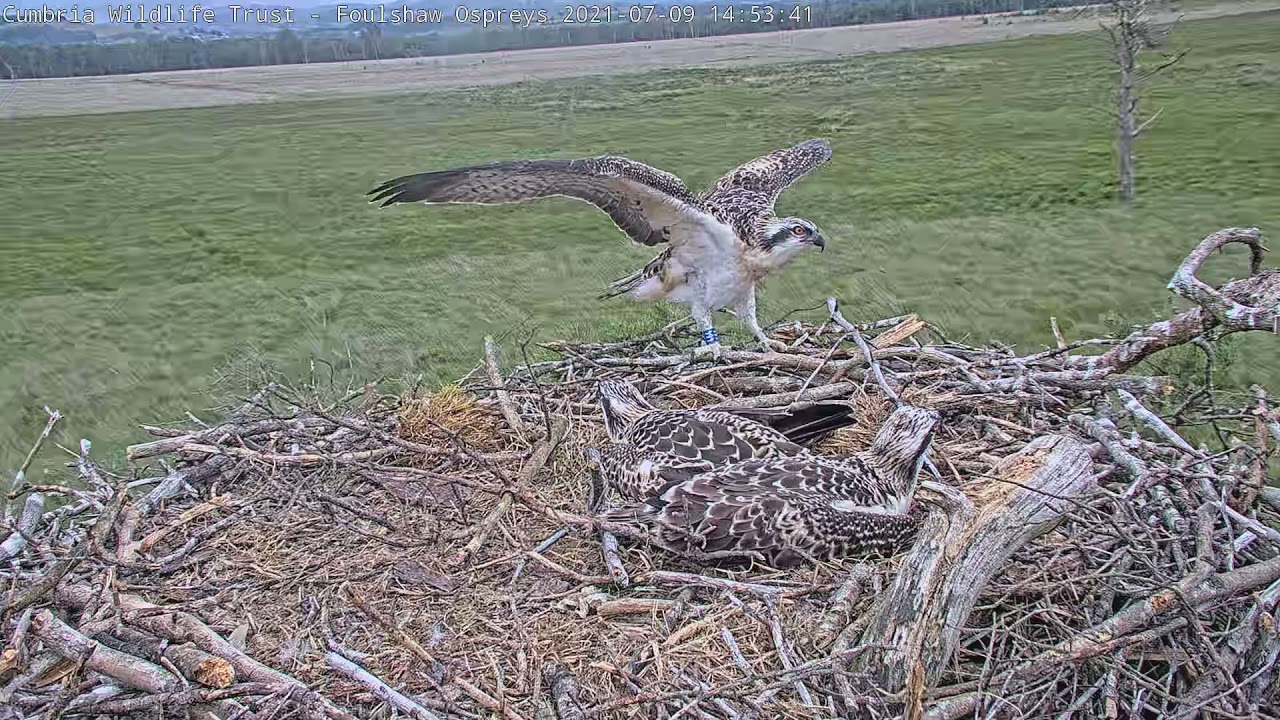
{"points": [[644, 202], [745, 196], [768, 176]]}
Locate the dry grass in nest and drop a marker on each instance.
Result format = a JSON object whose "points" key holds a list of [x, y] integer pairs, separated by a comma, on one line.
{"points": [[451, 407]]}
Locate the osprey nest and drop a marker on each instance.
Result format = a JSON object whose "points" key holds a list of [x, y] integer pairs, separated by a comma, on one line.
{"points": [[434, 556]]}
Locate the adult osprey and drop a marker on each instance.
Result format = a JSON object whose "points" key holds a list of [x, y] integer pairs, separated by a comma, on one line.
{"points": [[719, 243]]}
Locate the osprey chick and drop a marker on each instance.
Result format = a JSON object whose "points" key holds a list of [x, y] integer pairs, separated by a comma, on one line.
{"points": [[720, 243], [649, 447], [805, 507]]}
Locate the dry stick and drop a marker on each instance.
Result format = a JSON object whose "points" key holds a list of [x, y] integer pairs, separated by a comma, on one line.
{"points": [[841, 601], [1240, 305], [380, 689], [21, 476], [1057, 333], [89, 705], [665, 577], [910, 325], [170, 445], [531, 468], [833, 307], [1253, 526], [1142, 414], [564, 692], [28, 520], [482, 698], [636, 606], [784, 651], [957, 551], [132, 671], [613, 559], [182, 627], [566, 572], [500, 390]]}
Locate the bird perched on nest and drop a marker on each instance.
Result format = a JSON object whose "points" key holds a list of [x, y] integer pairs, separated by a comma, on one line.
{"points": [[650, 448], [787, 510], [720, 243]]}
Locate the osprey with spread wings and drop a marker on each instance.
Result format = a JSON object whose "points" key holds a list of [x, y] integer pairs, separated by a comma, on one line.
{"points": [[719, 243]]}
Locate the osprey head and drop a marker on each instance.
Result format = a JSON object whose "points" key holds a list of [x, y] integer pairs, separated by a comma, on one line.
{"points": [[786, 236], [621, 404]]}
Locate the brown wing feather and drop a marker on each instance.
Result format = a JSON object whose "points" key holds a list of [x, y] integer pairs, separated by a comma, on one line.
{"points": [[775, 172], [745, 196], [642, 201], [786, 510]]}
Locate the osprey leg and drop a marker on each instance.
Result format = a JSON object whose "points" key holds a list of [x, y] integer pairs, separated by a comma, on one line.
{"points": [[746, 310], [710, 338]]}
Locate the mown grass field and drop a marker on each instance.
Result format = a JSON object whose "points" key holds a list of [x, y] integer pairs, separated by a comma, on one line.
{"points": [[152, 260]]}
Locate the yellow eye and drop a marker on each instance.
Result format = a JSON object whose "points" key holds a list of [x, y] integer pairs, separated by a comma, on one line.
{"points": [[798, 230]]}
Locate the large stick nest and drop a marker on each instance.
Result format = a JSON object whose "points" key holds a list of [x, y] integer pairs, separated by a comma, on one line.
{"points": [[432, 554]]}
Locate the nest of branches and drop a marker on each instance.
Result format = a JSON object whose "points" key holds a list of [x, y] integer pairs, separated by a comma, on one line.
{"points": [[433, 556]]}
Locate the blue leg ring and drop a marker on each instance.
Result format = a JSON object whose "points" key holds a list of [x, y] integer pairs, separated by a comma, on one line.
{"points": [[710, 337]]}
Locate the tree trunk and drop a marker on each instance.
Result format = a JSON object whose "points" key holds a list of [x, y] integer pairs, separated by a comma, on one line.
{"points": [[1128, 111], [918, 622]]}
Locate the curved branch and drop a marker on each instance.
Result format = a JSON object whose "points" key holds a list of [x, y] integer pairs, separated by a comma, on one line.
{"points": [[1240, 305], [958, 550]]}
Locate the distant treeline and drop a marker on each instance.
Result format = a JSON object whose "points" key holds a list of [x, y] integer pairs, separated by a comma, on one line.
{"points": [[382, 41]]}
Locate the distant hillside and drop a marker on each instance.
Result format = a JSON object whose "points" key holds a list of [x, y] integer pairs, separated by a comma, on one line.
{"points": [[142, 40]]}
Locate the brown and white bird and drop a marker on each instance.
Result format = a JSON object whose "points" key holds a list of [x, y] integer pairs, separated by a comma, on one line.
{"points": [[788, 510], [650, 448], [720, 243]]}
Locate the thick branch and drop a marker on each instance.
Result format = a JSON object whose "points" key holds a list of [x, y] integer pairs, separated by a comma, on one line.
{"points": [[1249, 304], [132, 671], [919, 620]]}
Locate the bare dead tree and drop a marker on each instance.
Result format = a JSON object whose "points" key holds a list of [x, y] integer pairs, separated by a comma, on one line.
{"points": [[1133, 30]]}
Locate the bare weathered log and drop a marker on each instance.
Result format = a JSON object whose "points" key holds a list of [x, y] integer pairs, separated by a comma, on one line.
{"points": [[132, 671], [183, 627], [956, 552]]}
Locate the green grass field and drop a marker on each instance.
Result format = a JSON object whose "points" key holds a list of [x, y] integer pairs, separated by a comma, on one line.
{"points": [[150, 260]]}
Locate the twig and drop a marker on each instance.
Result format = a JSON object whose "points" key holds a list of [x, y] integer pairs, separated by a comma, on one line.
{"points": [[380, 689], [21, 476], [833, 307], [531, 468]]}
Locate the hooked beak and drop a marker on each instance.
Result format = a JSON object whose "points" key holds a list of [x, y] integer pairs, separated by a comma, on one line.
{"points": [[820, 242]]}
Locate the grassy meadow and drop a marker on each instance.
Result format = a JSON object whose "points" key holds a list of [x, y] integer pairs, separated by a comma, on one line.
{"points": [[153, 261]]}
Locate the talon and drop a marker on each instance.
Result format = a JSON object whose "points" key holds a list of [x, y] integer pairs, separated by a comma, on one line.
{"points": [[768, 344]]}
